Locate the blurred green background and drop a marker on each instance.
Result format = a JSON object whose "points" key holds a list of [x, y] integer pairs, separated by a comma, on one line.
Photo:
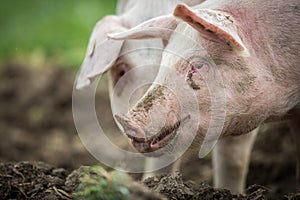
{"points": [[52, 31]]}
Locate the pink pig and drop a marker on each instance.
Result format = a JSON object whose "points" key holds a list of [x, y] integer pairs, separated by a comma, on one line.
{"points": [[104, 54], [253, 46]]}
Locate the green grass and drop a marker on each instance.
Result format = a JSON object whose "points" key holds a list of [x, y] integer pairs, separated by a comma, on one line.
{"points": [[96, 183], [53, 30]]}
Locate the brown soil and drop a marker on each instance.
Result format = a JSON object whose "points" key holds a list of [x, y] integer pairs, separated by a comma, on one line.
{"points": [[36, 124], [37, 180], [26, 180]]}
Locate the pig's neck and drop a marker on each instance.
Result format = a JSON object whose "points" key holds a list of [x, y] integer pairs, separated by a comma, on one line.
{"points": [[270, 30]]}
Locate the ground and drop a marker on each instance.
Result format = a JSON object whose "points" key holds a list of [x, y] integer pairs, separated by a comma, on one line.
{"points": [[36, 125]]}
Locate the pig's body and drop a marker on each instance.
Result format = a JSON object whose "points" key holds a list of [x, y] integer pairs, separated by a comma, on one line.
{"points": [[270, 31], [254, 45]]}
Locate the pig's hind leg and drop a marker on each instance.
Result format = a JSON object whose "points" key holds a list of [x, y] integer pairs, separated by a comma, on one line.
{"points": [[231, 157], [151, 164]]}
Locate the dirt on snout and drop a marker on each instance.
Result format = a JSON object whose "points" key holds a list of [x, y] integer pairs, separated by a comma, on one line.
{"points": [[36, 124]]}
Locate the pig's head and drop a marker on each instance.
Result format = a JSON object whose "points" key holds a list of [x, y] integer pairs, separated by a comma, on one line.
{"points": [[208, 51], [118, 58]]}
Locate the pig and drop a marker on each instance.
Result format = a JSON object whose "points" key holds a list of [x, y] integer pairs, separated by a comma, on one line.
{"points": [[130, 13], [249, 50], [112, 56]]}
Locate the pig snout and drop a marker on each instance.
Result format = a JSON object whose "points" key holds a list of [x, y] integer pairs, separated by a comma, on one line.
{"points": [[138, 135], [132, 130], [154, 122]]}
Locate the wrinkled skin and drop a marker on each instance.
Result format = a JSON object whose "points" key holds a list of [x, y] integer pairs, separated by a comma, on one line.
{"points": [[256, 53]]}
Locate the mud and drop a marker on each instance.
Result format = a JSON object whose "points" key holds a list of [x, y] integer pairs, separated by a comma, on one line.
{"points": [[156, 93]]}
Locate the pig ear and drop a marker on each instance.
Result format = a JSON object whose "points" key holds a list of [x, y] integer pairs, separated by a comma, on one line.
{"points": [[214, 25], [159, 27], [101, 52]]}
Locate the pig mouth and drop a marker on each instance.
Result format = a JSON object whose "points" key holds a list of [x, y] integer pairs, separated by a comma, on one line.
{"points": [[161, 139]]}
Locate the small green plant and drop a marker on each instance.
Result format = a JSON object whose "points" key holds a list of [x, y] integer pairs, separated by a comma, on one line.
{"points": [[97, 183]]}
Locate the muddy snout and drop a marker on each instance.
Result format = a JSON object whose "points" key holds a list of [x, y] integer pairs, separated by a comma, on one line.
{"points": [[131, 129], [135, 133], [150, 143]]}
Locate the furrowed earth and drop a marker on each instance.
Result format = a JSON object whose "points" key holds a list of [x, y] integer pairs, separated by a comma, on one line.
{"points": [[42, 156]]}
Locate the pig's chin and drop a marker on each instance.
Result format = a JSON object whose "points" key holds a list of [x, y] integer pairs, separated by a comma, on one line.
{"points": [[152, 146]]}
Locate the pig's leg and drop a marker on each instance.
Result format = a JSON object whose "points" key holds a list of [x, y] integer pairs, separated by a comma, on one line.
{"points": [[151, 164], [230, 161], [295, 130]]}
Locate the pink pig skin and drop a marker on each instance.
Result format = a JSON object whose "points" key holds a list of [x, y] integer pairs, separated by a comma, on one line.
{"points": [[256, 51]]}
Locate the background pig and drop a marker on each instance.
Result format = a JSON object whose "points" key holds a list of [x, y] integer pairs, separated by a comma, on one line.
{"points": [[254, 47], [112, 56]]}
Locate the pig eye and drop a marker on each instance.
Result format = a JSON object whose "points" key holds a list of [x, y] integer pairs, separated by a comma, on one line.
{"points": [[122, 69], [118, 71], [122, 72], [200, 67]]}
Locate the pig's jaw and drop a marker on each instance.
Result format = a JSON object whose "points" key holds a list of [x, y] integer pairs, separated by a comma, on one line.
{"points": [[148, 145]]}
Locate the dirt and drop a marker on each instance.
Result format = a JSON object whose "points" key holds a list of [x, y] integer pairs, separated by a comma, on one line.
{"points": [[26, 180], [173, 187], [36, 126], [38, 180]]}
